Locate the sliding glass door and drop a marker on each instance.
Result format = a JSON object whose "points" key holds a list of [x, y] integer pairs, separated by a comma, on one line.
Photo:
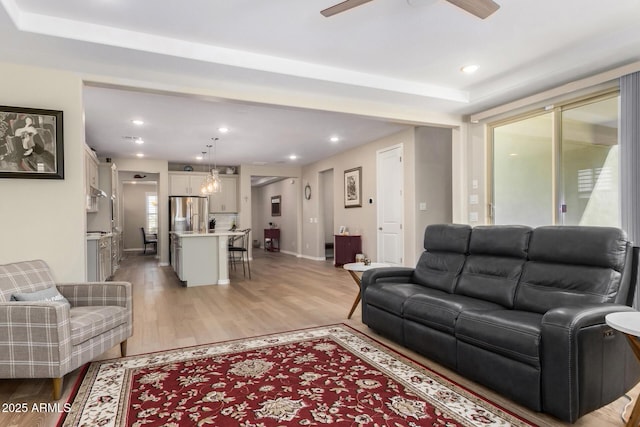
{"points": [[590, 164], [523, 171], [557, 166]]}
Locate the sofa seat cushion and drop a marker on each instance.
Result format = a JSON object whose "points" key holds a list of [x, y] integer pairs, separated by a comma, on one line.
{"points": [[440, 310], [511, 333], [88, 322], [391, 296]]}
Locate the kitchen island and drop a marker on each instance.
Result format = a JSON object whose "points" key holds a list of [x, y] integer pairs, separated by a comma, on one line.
{"points": [[201, 258]]}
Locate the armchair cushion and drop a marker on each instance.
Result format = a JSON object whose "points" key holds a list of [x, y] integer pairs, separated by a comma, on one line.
{"points": [[88, 322], [49, 294]]}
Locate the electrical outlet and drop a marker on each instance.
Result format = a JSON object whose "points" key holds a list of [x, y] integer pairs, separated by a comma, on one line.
{"points": [[473, 216], [473, 199]]}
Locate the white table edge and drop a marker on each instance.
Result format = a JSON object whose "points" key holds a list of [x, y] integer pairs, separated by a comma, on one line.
{"points": [[625, 321]]}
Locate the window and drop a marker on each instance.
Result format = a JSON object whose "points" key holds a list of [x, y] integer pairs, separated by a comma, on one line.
{"points": [[152, 212], [558, 166]]}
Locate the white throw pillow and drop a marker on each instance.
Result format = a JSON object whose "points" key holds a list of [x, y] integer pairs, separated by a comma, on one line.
{"points": [[50, 294]]}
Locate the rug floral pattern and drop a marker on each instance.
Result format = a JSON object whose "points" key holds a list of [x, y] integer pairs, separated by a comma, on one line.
{"points": [[323, 376]]}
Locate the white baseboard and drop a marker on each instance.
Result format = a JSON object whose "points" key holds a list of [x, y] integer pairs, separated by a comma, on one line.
{"points": [[313, 258]]}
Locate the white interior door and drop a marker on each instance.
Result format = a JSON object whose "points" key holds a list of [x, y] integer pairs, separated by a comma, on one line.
{"points": [[390, 201]]}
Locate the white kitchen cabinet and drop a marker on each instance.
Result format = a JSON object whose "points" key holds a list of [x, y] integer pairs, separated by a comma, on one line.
{"points": [[105, 217], [226, 201], [185, 184], [91, 179], [99, 258]]}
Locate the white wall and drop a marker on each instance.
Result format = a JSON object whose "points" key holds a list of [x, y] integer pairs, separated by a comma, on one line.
{"points": [[46, 218], [433, 162]]}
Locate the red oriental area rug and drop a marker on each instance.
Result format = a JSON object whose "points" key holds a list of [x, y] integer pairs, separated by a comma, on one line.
{"points": [[328, 375]]}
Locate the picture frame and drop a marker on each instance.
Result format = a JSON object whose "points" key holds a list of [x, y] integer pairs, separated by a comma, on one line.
{"points": [[342, 230], [353, 188], [31, 143], [275, 205]]}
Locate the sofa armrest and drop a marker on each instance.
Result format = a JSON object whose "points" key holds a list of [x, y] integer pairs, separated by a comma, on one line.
{"points": [[583, 360], [97, 293], [35, 339], [388, 274]]}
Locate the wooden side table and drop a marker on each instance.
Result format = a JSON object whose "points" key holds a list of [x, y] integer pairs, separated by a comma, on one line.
{"points": [[628, 322], [346, 248], [272, 236], [358, 267]]}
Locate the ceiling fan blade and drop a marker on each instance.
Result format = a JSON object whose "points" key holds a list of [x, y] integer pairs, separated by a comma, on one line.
{"points": [[341, 7], [479, 8]]}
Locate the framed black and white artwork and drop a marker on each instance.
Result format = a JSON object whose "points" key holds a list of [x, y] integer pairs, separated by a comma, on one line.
{"points": [[353, 188], [31, 143]]}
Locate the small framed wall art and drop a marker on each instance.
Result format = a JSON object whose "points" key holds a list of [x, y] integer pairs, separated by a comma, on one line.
{"points": [[353, 188], [31, 143]]}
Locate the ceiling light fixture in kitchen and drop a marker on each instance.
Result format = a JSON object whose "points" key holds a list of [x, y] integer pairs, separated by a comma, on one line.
{"points": [[212, 183]]}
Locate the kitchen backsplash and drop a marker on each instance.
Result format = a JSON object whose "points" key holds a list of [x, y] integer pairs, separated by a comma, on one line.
{"points": [[224, 221]]}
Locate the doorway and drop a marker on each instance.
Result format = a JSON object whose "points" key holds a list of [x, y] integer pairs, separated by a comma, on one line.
{"points": [[139, 209], [326, 211], [390, 183]]}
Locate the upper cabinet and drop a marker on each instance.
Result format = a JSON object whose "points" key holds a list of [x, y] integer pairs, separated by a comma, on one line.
{"points": [[188, 184], [91, 180], [226, 201], [185, 184]]}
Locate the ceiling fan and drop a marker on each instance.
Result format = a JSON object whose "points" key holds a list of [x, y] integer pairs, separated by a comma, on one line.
{"points": [[480, 8]]}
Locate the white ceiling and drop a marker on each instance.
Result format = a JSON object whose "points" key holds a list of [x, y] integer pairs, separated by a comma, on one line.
{"points": [[400, 58]]}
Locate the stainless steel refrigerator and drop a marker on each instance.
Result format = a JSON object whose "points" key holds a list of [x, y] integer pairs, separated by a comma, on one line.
{"points": [[189, 213]]}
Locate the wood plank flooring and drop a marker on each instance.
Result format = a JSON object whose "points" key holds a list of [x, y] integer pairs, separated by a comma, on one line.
{"points": [[285, 293]]}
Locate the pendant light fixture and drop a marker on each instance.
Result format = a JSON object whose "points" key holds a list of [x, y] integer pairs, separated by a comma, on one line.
{"points": [[212, 183]]}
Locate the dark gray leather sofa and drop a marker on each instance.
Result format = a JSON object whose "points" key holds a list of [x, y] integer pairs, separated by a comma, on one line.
{"points": [[517, 309]]}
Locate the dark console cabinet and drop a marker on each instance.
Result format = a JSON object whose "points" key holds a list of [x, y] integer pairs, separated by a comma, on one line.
{"points": [[346, 248]]}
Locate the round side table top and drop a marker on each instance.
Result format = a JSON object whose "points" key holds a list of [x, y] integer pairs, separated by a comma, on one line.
{"points": [[359, 266], [625, 321]]}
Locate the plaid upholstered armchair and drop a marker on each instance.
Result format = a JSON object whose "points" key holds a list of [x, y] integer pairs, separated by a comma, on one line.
{"points": [[49, 329]]}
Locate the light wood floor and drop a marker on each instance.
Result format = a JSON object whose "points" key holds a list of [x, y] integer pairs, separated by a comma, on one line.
{"points": [[285, 293]]}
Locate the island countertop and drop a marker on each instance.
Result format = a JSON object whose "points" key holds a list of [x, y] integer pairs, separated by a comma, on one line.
{"points": [[227, 233]]}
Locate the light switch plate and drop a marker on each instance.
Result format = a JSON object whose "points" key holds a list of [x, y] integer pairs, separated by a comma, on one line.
{"points": [[473, 216], [473, 199], [422, 206]]}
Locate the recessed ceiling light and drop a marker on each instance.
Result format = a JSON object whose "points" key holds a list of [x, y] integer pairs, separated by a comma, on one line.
{"points": [[139, 141], [137, 122], [223, 130], [293, 157], [199, 157], [140, 155], [513, 154], [334, 139], [470, 69]]}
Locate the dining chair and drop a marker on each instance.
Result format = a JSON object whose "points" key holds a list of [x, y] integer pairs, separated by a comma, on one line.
{"points": [[149, 239], [242, 250]]}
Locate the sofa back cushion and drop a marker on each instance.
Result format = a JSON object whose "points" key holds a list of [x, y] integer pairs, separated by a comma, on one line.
{"points": [[497, 255], [440, 264], [571, 265], [25, 276]]}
